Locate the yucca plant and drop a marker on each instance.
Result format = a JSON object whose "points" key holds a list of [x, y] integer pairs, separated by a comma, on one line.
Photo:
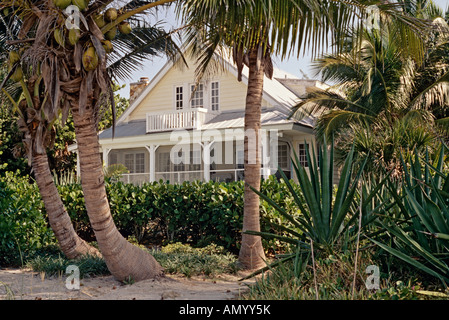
{"points": [[328, 217], [423, 241]]}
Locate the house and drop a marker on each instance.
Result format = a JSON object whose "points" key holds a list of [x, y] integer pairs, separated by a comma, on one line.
{"points": [[174, 130]]}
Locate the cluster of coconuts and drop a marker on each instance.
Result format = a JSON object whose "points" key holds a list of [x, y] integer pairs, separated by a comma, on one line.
{"points": [[90, 57]]}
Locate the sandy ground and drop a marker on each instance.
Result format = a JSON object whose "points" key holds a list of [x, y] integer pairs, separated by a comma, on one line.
{"points": [[22, 284]]}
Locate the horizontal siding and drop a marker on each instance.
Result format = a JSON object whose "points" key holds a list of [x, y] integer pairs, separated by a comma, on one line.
{"points": [[161, 97]]}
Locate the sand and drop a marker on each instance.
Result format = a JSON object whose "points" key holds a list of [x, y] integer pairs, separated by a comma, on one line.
{"points": [[23, 284]]}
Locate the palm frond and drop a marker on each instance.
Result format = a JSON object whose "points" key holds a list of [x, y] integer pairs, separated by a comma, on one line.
{"points": [[142, 44]]}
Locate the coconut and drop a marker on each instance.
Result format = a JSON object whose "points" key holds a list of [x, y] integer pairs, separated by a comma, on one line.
{"points": [[74, 35], [81, 4], [110, 35], [110, 14], [99, 20], [90, 59], [107, 45], [13, 57], [58, 34], [124, 27], [62, 4], [17, 74]]}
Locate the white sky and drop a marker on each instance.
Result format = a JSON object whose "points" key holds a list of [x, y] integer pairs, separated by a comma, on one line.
{"points": [[295, 66]]}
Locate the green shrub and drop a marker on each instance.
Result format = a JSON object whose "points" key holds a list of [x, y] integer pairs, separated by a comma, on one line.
{"points": [[192, 212], [23, 224]]}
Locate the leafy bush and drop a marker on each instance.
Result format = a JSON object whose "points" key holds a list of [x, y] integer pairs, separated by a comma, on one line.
{"points": [[23, 225], [192, 212]]}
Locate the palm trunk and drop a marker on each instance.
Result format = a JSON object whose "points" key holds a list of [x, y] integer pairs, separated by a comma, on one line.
{"points": [[70, 243], [251, 254], [124, 260]]}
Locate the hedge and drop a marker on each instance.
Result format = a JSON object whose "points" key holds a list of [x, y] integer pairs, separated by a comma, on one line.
{"points": [[24, 228], [198, 213], [155, 213]]}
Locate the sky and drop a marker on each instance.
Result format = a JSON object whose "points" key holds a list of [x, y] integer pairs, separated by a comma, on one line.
{"points": [[300, 67]]}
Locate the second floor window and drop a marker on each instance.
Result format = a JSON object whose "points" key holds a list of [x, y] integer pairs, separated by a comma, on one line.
{"points": [[198, 96], [179, 98], [214, 94]]}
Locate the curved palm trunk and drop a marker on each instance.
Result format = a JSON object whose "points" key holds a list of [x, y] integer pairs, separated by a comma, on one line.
{"points": [[124, 260], [71, 244], [251, 255]]}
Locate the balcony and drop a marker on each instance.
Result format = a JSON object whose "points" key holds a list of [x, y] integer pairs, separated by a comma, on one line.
{"points": [[182, 119]]}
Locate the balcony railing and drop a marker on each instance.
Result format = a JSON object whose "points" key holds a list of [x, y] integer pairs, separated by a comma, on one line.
{"points": [[182, 119]]}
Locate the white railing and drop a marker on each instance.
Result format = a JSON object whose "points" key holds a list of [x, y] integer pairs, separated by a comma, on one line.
{"points": [[225, 175], [182, 119]]}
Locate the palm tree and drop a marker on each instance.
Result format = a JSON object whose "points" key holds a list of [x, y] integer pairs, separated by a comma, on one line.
{"points": [[384, 104], [252, 31], [38, 136], [73, 67]]}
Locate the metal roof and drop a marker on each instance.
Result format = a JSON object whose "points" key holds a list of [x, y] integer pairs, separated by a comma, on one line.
{"points": [[224, 120]]}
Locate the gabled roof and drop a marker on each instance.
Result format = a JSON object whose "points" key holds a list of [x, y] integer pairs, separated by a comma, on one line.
{"points": [[274, 91]]}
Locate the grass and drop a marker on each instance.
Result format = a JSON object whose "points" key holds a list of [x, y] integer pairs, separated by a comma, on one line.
{"points": [[182, 259], [334, 275], [175, 258]]}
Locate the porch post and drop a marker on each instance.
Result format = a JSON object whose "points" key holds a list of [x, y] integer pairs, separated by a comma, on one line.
{"points": [[152, 151], [206, 160], [265, 154]]}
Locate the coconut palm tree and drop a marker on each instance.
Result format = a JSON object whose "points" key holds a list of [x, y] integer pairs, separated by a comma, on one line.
{"points": [[385, 104], [252, 31], [150, 42], [73, 67], [39, 135]]}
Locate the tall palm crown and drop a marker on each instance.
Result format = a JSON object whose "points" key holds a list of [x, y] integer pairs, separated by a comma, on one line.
{"points": [[385, 103]]}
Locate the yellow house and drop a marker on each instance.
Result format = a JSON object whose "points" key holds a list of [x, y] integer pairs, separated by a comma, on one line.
{"points": [[174, 130]]}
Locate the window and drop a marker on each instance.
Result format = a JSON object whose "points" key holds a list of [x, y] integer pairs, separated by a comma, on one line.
{"points": [[215, 94], [179, 98], [283, 156], [197, 97], [302, 157], [135, 162], [139, 163]]}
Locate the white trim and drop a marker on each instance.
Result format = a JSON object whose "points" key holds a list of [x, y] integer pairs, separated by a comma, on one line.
{"points": [[156, 79]]}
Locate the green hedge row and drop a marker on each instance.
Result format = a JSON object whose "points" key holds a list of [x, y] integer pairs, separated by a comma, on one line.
{"points": [[155, 213], [197, 213]]}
